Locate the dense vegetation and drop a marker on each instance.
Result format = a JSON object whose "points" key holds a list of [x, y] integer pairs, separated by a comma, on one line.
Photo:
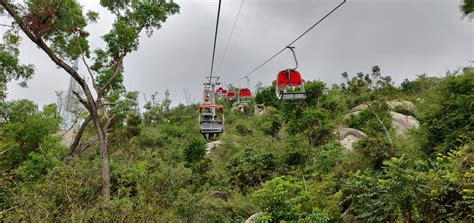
{"points": [[286, 163]]}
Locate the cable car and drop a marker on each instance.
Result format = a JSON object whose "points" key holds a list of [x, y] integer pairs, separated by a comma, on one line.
{"points": [[245, 95], [289, 84], [220, 92], [230, 95], [211, 120], [206, 96]]}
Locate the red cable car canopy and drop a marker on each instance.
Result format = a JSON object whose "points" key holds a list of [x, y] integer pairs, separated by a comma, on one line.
{"points": [[204, 106], [291, 79], [245, 92]]}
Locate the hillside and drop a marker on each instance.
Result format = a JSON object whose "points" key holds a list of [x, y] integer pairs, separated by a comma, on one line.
{"points": [[363, 150]]}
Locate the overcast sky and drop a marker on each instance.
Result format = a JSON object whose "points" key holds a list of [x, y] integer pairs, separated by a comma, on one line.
{"points": [[404, 37]]}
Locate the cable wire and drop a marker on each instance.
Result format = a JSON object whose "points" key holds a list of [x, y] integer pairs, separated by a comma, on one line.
{"points": [[294, 41], [215, 40], [230, 37]]}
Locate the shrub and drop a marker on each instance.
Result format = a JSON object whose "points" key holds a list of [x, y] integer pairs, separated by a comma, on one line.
{"points": [[281, 199]]}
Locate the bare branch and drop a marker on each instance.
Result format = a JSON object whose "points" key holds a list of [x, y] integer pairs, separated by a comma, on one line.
{"points": [[72, 126], [381, 123], [144, 97], [109, 120], [118, 65], [5, 25], [79, 134], [82, 100], [1, 153], [84, 146], [11, 209], [94, 84]]}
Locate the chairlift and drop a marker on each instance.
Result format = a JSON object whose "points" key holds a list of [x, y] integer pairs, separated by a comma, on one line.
{"points": [[245, 96], [211, 120], [230, 95], [289, 84], [220, 92]]}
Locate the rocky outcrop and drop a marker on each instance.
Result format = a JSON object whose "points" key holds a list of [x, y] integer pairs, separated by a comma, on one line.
{"points": [[236, 106], [68, 137], [254, 218], [359, 108], [403, 104], [349, 136], [211, 146], [259, 109], [402, 123], [392, 104]]}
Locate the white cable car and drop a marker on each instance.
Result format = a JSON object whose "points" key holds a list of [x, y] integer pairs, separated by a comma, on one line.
{"points": [[211, 120]]}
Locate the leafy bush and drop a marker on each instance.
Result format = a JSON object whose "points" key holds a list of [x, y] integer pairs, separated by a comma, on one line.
{"points": [[413, 190], [373, 151], [329, 156], [446, 114], [25, 130], [270, 122], [243, 130], [366, 120], [195, 150], [250, 167], [281, 199], [39, 163], [296, 152]]}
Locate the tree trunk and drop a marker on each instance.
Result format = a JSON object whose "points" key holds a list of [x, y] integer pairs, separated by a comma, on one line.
{"points": [[79, 134], [104, 156]]}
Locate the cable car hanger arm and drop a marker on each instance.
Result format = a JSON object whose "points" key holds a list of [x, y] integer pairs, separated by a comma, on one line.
{"points": [[292, 48]]}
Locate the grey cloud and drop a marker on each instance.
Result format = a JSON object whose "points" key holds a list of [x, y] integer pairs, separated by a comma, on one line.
{"points": [[403, 37]]}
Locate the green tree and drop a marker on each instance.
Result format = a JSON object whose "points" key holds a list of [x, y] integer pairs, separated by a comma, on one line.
{"points": [[270, 122], [250, 167], [11, 68], [316, 126], [281, 200], [446, 114], [315, 91], [195, 150], [25, 130], [58, 28], [467, 7], [267, 96], [413, 190]]}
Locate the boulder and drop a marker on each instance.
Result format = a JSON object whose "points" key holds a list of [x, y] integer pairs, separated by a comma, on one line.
{"points": [[254, 218], [259, 109], [359, 108], [211, 146], [236, 106], [349, 136], [392, 104], [68, 137], [219, 195], [403, 104], [402, 123]]}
